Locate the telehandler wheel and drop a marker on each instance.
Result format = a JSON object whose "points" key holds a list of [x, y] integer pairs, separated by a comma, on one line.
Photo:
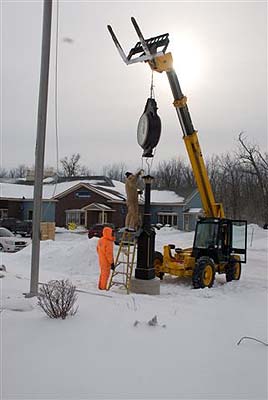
{"points": [[158, 261], [233, 271], [204, 273]]}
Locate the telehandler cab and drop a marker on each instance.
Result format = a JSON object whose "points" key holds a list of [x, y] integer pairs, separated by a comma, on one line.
{"points": [[220, 244]]}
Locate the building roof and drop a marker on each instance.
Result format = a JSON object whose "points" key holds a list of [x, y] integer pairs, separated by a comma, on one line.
{"points": [[193, 210], [116, 192], [165, 196]]}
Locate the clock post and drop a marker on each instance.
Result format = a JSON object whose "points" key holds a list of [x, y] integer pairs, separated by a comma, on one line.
{"points": [[146, 239], [145, 281]]}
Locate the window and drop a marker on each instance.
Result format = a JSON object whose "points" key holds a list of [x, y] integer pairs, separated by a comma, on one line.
{"points": [[30, 215], [239, 239], [82, 194], [5, 233], [206, 235], [3, 213], [167, 219], [186, 222], [102, 218], [75, 216]]}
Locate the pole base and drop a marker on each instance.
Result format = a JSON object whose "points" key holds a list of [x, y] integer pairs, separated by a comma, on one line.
{"points": [[145, 273], [29, 295], [141, 286]]}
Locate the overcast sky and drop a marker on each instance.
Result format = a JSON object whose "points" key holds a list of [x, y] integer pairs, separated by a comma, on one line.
{"points": [[220, 55]]}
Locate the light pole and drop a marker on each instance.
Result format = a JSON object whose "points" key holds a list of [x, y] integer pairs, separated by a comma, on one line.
{"points": [[146, 240], [40, 146], [145, 281]]}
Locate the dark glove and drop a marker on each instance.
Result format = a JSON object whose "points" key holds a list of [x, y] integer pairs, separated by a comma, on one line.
{"points": [[113, 266]]}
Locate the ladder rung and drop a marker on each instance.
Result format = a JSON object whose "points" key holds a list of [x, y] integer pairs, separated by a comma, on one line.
{"points": [[118, 283], [125, 250], [121, 273]]}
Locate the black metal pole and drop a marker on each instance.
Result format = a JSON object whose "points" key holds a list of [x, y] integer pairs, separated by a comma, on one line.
{"points": [[146, 240]]}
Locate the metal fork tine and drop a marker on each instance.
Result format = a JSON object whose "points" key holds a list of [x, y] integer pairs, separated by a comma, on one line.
{"points": [[140, 35], [117, 44]]}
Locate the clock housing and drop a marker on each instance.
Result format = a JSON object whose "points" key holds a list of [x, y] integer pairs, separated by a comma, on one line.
{"points": [[149, 128]]}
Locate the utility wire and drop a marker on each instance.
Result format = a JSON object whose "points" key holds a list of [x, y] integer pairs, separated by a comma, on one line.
{"points": [[56, 89], [56, 95], [56, 105], [152, 94], [251, 338], [149, 162]]}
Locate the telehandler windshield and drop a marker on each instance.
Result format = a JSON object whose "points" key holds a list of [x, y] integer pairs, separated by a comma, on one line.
{"points": [[206, 234]]}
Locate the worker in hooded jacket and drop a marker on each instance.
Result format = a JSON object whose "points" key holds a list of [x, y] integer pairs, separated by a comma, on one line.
{"points": [[105, 249], [132, 192]]}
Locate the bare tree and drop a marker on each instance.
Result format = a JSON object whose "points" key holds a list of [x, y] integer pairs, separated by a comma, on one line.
{"points": [[255, 164], [85, 171], [3, 173], [174, 175], [115, 171], [230, 184], [19, 172], [12, 173], [22, 171], [70, 165]]}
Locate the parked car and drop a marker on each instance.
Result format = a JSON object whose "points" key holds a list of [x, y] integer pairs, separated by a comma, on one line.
{"points": [[118, 234], [9, 242], [23, 228], [96, 230]]}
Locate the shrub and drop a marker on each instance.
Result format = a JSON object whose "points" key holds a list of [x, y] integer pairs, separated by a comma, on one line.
{"points": [[57, 298]]}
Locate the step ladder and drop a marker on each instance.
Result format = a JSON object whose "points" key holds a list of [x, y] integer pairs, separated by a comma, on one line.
{"points": [[124, 261]]}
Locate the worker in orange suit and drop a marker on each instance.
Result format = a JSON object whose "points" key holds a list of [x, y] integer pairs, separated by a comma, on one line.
{"points": [[105, 249]]}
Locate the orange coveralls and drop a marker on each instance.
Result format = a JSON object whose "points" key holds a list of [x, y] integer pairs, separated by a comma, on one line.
{"points": [[105, 249]]}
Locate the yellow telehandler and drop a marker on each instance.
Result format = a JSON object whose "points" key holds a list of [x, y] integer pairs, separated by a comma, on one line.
{"points": [[220, 244]]}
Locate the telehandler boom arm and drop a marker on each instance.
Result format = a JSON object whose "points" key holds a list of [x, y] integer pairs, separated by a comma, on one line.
{"points": [[161, 62], [211, 208]]}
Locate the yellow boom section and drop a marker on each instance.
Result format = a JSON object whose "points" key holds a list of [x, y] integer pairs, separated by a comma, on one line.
{"points": [[164, 63], [211, 208]]}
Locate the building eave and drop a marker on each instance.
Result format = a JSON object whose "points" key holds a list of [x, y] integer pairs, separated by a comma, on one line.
{"points": [[156, 203], [78, 185], [26, 199]]}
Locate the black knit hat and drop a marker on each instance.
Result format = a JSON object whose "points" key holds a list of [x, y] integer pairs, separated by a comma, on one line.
{"points": [[127, 174]]}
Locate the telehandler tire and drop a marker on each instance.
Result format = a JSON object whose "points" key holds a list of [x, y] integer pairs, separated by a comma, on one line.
{"points": [[204, 273], [158, 261], [233, 271]]}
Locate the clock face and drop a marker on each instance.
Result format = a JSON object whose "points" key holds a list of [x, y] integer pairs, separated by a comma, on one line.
{"points": [[142, 131]]}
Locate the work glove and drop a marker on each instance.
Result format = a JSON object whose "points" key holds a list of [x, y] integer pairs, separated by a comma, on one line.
{"points": [[112, 266]]}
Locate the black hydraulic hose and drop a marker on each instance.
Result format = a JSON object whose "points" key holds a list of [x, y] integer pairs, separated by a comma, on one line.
{"points": [[183, 111]]}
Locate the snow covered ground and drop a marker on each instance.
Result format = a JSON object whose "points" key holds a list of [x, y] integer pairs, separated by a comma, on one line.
{"points": [[100, 354]]}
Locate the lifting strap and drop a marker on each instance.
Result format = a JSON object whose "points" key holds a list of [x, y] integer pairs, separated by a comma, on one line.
{"points": [[124, 262]]}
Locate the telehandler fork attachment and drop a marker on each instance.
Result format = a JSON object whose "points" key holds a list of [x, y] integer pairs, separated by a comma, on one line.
{"points": [[146, 48]]}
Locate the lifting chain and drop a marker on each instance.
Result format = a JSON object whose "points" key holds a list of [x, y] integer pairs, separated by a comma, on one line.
{"points": [[152, 95]]}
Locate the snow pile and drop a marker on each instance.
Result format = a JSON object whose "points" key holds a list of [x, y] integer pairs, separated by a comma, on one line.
{"points": [[165, 196], [187, 351]]}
